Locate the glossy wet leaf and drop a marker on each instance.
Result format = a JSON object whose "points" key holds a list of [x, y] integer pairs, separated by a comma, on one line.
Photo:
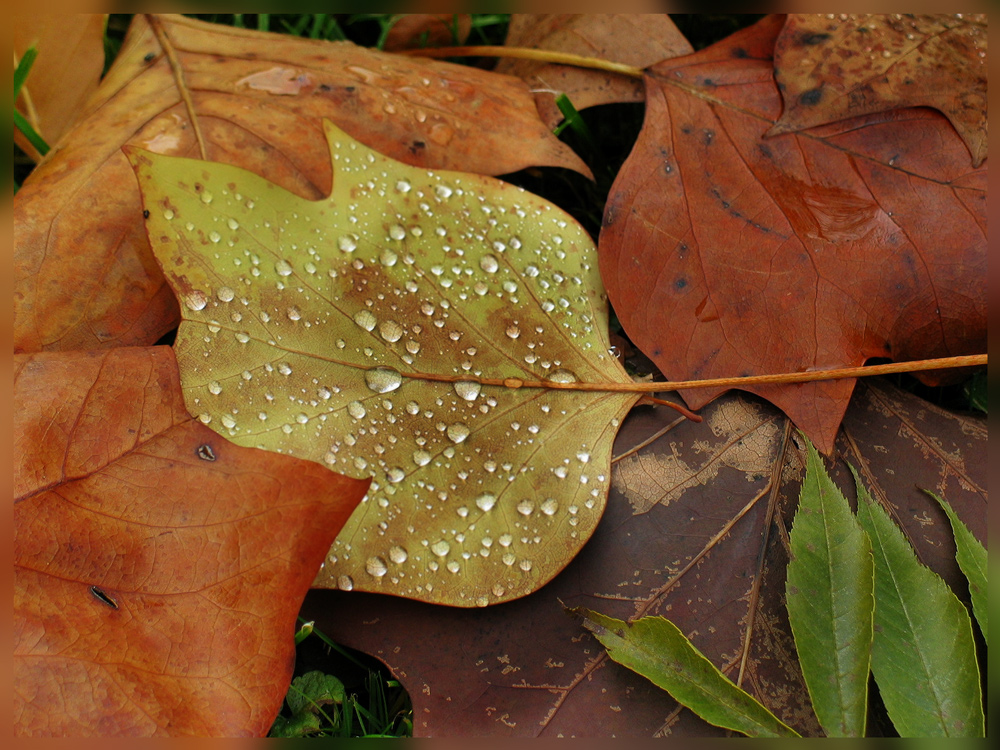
{"points": [[655, 648], [523, 669], [631, 38], [387, 331], [973, 561], [158, 569], [832, 67], [83, 273], [923, 654], [831, 602], [728, 253]]}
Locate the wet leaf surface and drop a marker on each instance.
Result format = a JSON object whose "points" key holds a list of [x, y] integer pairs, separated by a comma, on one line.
{"points": [[432, 349], [726, 253], [84, 276], [832, 67], [158, 569], [633, 39], [524, 668]]}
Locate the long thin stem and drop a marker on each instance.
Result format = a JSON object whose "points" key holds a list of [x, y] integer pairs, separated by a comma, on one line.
{"points": [[182, 88], [527, 53]]}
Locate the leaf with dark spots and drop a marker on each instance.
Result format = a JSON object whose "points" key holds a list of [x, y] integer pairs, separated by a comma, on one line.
{"points": [[685, 536], [155, 593], [445, 333], [83, 273], [803, 251], [639, 40], [832, 67]]}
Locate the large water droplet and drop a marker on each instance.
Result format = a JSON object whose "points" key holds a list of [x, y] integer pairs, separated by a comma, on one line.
{"points": [[486, 501], [397, 232], [283, 267], [526, 507], [440, 548], [345, 583], [489, 264], [356, 410], [525, 565], [391, 331], [421, 458], [549, 506], [348, 243], [453, 566], [398, 555], [396, 475], [214, 387], [457, 432], [195, 300], [365, 319], [383, 379], [376, 566], [468, 389], [562, 376], [228, 422], [294, 313]]}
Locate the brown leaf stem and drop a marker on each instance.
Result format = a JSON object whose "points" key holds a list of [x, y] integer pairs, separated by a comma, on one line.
{"points": [[840, 373], [527, 53], [178, 72]]}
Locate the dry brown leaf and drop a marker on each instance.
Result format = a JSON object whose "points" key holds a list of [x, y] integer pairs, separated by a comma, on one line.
{"points": [[633, 39], [84, 276], [65, 74], [831, 67], [416, 30]]}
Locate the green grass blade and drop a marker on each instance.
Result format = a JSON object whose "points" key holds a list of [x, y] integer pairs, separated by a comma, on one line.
{"points": [[29, 132], [973, 561], [656, 649], [923, 655], [22, 70], [831, 602]]}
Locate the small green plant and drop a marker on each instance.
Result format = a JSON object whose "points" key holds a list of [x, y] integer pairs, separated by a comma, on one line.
{"points": [[859, 603], [320, 705]]}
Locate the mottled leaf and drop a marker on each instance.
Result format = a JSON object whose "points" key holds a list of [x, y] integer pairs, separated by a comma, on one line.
{"points": [[158, 568], [923, 654], [83, 273], [831, 67], [830, 602], [655, 648], [726, 253], [633, 39], [421, 327], [973, 561]]}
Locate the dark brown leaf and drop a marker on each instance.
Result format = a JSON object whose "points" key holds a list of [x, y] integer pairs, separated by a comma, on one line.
{"points": [[526, 669]]}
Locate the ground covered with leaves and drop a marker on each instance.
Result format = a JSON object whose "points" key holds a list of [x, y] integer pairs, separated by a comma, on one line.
{"points": [[313, 324]]}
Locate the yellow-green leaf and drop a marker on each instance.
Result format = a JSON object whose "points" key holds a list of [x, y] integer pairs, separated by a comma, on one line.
{"points": [[429, 329]]}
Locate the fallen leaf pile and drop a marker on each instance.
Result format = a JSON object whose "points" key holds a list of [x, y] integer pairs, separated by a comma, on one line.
{"points": [[374, 327]]}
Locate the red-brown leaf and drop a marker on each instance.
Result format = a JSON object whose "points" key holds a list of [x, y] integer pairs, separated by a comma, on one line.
{"points": [[633, 39], [416, 30], [84, 277], [831, 67], [726, 253], [158, 569]]}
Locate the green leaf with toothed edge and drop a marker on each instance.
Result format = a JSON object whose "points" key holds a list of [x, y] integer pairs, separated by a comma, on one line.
{"points": [[429, 329]]}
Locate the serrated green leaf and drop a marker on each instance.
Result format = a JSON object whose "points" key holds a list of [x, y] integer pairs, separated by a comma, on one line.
{"points": [[923, 654], [299, 725], [656, 649], [432, 329], [973, 561], [830, 599], [313, 690]]}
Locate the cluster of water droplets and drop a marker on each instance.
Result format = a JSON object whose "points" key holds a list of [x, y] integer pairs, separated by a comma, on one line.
{"points": [[440, 279]]}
